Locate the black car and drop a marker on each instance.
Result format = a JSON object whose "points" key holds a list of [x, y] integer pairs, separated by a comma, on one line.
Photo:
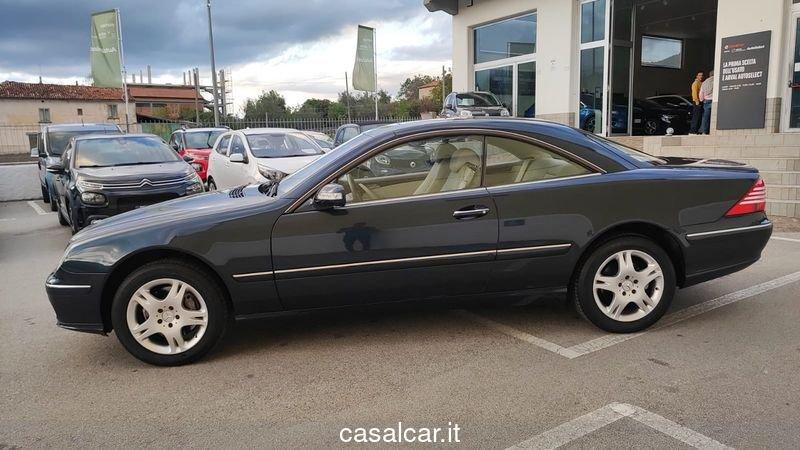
{"points": [[657, 118], [510, 207], [475, 104], [100, 176], [414, 158]]}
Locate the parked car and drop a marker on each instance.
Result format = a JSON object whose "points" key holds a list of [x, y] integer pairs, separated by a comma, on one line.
{"points": [[473, 104], [256, 155], [400, 159], [649, 118], [52, 140], [100, 176], [511, 207], [197, 144], [323, 140]]}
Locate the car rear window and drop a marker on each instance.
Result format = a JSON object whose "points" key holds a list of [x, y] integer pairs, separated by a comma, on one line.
{"points": [[282, 145]]}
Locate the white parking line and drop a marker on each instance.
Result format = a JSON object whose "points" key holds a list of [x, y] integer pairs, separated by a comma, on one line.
{"points": [[583, 425], [37, 208], [608, 340], [8, 220], [781, 238]]}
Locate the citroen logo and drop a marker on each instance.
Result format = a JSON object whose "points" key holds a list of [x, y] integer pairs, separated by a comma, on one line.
{"points": [[145, 182]]}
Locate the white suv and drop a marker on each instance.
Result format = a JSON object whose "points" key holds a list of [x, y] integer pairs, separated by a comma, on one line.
{"points": [[256, 155]]}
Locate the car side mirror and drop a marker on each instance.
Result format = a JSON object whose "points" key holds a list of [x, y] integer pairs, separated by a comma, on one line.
{"points": [[35, 152], [237, 158], [55, 165], [330, 196], [188, 159]]}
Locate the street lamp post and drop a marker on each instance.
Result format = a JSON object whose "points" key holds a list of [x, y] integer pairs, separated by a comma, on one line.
{"points": [[213, 66]]}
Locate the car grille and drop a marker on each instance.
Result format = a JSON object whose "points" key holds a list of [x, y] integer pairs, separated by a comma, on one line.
{"points": [[143, 183], [137, 201]]}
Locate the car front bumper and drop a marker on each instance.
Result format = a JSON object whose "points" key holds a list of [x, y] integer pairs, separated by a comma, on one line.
{"points": [[123, 201], [77, 301]]}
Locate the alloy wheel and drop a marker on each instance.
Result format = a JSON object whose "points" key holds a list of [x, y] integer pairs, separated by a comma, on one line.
{"points": [[628, 285], [167, 316]]}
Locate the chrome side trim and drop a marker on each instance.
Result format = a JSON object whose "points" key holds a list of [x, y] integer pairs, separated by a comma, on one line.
{"points": [[68, 286], [388, 261], [729, 231], [549, 180], [465, 192], [534, 248], [253, 274], [399, 260]]}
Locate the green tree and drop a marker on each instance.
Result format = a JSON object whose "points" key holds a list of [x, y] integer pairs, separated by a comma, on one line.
{"points": [[409, 90], [271, 104], [436, 93]]}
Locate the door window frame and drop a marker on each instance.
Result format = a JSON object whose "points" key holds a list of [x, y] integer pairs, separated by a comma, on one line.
{"points": [[604, 44], [513, 61], [786, 101]]}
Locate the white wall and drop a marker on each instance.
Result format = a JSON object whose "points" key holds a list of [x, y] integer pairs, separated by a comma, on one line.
{"points": [[19, 182], [26, 112], [556, 48]]}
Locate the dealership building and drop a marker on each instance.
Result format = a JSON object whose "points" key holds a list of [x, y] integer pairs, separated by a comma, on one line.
{"points": [[624, 69]]}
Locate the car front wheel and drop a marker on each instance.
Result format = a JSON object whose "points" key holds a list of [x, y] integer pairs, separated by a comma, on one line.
{"points": [[211, 185], [169, 313], [625, 285]]}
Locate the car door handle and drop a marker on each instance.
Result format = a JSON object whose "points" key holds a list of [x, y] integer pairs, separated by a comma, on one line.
{"points": [[472, 212]]}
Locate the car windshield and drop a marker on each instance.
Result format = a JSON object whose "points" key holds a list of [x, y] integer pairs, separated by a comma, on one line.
{"points": [[295, 179], [631, 152], [282, 145], [57, 140], [122, 151], [324, 143], [202, 139], [477, 99]]}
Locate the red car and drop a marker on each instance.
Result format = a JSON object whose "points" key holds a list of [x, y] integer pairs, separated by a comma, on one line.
{"points": [[196, 143]]}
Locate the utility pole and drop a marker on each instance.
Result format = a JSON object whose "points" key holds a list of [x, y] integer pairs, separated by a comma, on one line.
{"points": [[444, 94], [347, 92], [213, 66], [196, 81], [223, 94]]}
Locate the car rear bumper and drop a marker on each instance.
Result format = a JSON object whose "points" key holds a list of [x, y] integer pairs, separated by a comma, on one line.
{"points": [[714, 253], [77, 301]]}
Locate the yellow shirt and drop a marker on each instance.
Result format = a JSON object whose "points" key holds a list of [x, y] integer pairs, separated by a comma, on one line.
{"points": [[696, 91]]}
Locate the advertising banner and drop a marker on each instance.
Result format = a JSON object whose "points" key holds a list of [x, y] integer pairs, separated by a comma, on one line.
{"points": [[742, 83], [364, 69], [104, 50]]}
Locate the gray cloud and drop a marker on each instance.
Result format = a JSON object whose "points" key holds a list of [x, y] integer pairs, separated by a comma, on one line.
{"points": [[171, 35]]}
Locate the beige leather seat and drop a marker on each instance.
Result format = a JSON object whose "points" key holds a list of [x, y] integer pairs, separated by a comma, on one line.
{"points": [[454, 169], [544, 167]]}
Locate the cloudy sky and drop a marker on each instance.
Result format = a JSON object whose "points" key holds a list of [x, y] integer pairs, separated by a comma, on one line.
{"points": [[300, 48]]}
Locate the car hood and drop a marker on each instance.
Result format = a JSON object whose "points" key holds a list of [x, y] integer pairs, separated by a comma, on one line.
{"points": [[153, 172], [180, 212], [287, 165]]}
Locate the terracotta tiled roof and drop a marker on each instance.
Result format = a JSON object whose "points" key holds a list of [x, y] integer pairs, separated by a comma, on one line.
{"points": [[162, 92], [45, 91]]}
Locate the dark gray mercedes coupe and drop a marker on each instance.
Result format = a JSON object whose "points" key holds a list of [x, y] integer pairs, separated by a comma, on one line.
{"points": [[502, 206]]}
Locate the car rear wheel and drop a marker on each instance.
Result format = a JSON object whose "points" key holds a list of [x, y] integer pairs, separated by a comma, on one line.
{"points": [[169, 313], [625, 285]]}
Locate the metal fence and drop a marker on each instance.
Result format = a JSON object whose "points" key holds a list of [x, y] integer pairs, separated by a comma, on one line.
{"points": [[14, 139]]}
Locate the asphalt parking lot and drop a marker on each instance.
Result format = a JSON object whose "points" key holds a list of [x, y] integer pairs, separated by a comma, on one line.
{"points": [[721, 369]]}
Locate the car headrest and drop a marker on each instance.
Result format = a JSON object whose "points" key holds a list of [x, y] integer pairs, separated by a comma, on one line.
{"points": [[445, 151], [463, 157]]}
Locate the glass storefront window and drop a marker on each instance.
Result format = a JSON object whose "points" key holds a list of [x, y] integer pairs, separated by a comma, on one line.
{"points": [[526, 89], [593, 21], [499, 81], [591, 100], [506, 39]]}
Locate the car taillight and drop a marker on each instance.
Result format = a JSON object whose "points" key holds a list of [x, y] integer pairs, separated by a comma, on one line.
{"points": [[755, 200]]}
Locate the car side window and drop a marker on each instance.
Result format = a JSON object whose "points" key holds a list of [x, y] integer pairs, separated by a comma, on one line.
{"points": [[175, 141], [420, 167], [237, 146], [510, 161], [222, 145], [349, 133], [67, 156]]}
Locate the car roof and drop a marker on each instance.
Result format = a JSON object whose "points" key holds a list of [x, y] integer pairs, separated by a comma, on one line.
{"points": [[115, 136], [80, 126], [249, 131], [192, 130]]}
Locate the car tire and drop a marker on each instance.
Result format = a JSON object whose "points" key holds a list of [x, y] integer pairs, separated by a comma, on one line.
{"points": [[62, 220], [73, 220], [651, 128], [53, 204], [45, 194], [202, 297], [606, 289], [211, 185]]}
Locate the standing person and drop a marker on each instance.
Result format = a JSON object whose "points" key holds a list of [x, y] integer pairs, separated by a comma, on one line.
{"points": [[697, 105], [706, 95]]}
